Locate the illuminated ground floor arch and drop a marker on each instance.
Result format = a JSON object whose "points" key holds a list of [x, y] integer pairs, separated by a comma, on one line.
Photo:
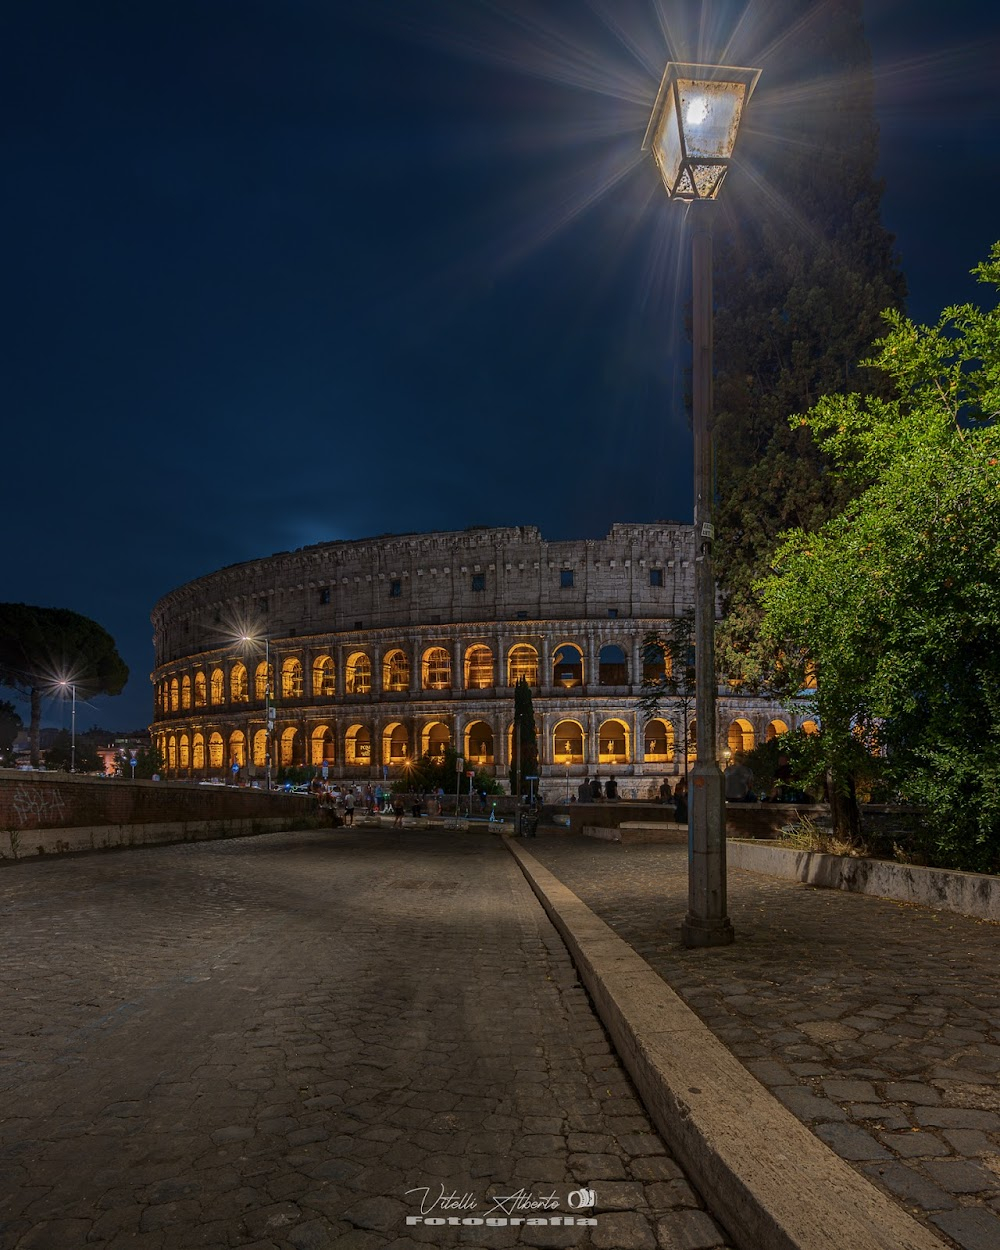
{"points": [[577, 737]]}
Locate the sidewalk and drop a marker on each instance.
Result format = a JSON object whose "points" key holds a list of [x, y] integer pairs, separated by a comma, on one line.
{"points": [[876, 1023]]}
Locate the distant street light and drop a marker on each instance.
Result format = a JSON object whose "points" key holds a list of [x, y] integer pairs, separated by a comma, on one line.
{"points": [[692, 133], [68, 685], [269, 717]]}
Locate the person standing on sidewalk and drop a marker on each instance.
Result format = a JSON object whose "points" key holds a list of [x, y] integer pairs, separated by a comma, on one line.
{"points": [[348, 806]]}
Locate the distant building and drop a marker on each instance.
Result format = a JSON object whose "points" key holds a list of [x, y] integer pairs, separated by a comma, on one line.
{"points": [[370, 653]]}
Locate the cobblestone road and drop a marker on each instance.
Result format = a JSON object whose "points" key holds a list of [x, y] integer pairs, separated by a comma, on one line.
{"points": [[877, 1023], [267, 1042]]}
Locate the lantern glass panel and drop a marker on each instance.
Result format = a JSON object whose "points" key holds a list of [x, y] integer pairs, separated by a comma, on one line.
{"points": [[667, 148], [710, 114]]}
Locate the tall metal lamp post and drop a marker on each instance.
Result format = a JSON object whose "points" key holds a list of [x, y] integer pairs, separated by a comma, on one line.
{"points": [[691, 134], [68, 685], [269, 711]]}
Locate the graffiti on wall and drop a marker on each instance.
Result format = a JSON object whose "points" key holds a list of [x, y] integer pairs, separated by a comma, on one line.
{"points": [[36, 806]]}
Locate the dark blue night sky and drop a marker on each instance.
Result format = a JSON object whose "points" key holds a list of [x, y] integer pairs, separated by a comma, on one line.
{"points": [[276, 273]]}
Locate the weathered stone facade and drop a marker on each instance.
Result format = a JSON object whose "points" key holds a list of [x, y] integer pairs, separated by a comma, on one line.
{"points": [[366, 654]]}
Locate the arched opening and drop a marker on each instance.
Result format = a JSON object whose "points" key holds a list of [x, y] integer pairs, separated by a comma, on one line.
{"points": [[238, 748], [358, 747], [321, 745], [218, 686], [522, 662], [216, 750], [287, 746], [613, 743], [396, 672], [200, 690], [809, 727], [260, 748], [396, 744], [434, 739], [291, 678], [358, 674], [436, 669], [567, 743], [198, 753], [175, 695], [612, 669], [172, 753], [323, 683], [186, 692], [658, 742], [479, 743], [184, 752], [478, 667], [239, 687], [740, 738], [263, 680], [775, 729], [656, 663], [567, 666]]}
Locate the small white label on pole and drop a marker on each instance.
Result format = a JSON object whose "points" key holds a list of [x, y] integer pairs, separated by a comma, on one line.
{"points": [[460, 764], [707, 531]]}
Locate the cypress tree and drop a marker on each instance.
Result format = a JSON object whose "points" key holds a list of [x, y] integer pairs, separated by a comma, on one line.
{"points": [[803, 271], [524, 762]]}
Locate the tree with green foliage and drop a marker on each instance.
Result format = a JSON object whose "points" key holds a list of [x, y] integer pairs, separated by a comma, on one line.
{"points": [[668, 674], [10, 726], [39, 647], [61, 754], [149, 763], [803, 272], [430, 772], [896, 601], [524, 757]]}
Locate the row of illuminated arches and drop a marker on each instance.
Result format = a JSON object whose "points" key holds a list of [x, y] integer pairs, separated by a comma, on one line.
{"points": [[216, 687], [567, 744]]}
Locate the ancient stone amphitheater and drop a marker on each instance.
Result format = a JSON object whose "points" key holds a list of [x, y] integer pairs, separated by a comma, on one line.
{"points": [[364, 655]]}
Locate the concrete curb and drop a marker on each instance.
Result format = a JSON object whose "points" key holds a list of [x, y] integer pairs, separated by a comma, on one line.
{"points": [[769, 1181], [967, 893]]}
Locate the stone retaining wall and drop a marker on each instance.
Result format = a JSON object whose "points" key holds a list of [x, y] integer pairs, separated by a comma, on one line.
{"points": [[968, 893], [37, 800]]}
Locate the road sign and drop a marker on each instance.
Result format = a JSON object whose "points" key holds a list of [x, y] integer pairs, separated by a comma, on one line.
{"points": [[460, 764]]}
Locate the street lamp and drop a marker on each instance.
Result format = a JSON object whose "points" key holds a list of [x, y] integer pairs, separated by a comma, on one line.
{"points": [[269, 713], [692, 133], [68, 685]]}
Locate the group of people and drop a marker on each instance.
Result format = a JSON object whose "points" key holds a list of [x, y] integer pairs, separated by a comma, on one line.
{"points": [[591, 790]]}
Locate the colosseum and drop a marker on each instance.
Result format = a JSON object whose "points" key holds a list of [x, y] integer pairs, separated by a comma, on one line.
{"points": [[364, 655]]}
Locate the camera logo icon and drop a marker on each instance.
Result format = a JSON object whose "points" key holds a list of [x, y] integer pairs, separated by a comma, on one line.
{"points": [[580, 1199]]}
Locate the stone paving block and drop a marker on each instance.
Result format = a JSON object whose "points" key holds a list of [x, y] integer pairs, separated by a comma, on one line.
{"points": [[911, 1185], [973, 1228], [971, 1142], [623, 1231], [914, 1145], [688, 1230], [851, 1142], [961, 1176]]}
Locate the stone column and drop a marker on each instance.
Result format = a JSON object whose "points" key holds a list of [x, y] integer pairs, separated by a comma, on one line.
{"points": [[457, 669]]}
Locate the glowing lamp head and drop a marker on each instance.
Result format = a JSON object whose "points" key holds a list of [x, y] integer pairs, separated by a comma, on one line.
{"points": [[692, 131]]}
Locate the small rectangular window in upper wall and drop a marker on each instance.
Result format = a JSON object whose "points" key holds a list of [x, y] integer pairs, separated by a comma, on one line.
{"points": [[324, 595], [656, 577], [565, 578], [263, 605], [478, 581], [395, 588], [613, 613]]}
